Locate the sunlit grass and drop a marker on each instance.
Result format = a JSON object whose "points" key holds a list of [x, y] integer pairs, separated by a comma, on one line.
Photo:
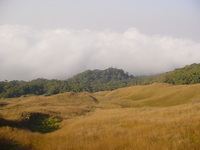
{"points": [[161, 117]]}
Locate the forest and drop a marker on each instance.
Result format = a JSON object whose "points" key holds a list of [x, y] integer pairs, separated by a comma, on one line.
{"points": [[96, 80]]}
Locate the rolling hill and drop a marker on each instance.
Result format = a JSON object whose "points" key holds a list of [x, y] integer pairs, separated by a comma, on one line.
{"points": [[157, 116], [154, 95]]}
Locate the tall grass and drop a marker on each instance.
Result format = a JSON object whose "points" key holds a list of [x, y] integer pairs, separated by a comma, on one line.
{"points": [[109, 126]]}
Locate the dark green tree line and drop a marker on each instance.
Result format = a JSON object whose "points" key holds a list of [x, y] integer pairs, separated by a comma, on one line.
{"points": [[96, 80]]}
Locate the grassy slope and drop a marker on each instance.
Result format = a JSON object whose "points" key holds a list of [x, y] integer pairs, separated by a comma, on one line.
{"points": [[120, 119], [63, 105], [157, 94]]}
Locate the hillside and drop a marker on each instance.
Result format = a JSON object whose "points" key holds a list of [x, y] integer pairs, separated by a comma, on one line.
{"points": [[189, 74], [157, 116], [154, 95], [97, 80], [100, 80]]}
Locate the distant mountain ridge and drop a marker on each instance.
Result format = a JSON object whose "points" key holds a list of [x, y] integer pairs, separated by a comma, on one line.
{"points": [[97, 80]]}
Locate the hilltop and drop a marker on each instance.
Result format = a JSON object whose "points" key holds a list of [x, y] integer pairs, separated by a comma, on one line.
{"points": [[100, 80], [97, 80]]}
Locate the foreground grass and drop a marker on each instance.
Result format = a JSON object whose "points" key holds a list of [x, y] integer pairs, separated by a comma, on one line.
{"points": [[110, 126]]}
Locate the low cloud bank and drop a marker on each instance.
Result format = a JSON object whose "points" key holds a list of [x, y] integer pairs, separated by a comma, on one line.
{"points": [[27, 53]]}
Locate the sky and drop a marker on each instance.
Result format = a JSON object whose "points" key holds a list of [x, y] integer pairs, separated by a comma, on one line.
{"points": [[58, 39]]}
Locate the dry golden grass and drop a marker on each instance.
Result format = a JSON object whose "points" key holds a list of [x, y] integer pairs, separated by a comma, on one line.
{"points": [[64, 105], [157, 117], [154, 95]]}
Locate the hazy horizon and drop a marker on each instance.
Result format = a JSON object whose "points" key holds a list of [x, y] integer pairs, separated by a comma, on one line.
{"points": [[58, 39]]}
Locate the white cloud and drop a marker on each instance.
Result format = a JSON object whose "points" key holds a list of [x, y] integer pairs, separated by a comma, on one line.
{"points": [[27, 53]]}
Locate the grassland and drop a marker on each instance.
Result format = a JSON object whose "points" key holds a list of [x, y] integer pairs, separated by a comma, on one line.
{"points": [[157, 117]]}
